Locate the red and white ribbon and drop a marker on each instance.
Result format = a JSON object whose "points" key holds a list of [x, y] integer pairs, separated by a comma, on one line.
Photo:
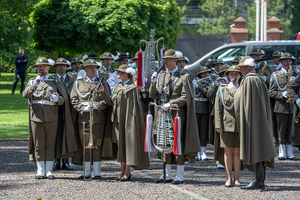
{"points": [[140, 82]]}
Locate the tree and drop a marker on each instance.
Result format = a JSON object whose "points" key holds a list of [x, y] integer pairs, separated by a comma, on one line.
{"points": [[78, 26], [14, 31], [274, 8], [295, 23], [217, 16]]}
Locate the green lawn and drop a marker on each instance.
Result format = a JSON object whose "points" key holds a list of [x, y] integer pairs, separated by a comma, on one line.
{"points": [[13, 109]]}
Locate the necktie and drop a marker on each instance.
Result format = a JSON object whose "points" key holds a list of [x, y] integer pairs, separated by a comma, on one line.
{"points": [[61, 79]]}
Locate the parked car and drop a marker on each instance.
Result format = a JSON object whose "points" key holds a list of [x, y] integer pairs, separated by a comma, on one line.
{"points": [[227, 52]]}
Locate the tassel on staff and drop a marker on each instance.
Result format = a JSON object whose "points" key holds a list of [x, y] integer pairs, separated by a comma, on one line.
{"points": [[140, 68], [177, 136], [148, 146]]}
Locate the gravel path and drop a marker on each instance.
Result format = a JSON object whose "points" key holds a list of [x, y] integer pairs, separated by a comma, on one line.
{"points": [[202, 180]]}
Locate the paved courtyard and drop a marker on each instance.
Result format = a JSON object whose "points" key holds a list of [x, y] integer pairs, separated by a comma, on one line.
{"points": [[202, 180]]}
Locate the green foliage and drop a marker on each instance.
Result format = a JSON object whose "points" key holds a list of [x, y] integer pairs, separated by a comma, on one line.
{"points": [[274, 8], [217, 16], [13, 109], [78, 26], [15, 31], [295, 23]]}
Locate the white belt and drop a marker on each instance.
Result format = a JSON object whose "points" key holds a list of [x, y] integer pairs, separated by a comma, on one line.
{"points": [[86, 103], [44, 102], [201, 99]]}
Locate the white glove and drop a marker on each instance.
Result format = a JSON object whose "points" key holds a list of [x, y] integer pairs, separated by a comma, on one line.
{"points": [[195, 84], [146, 80], [298, 102], [166, 106], [87, 108], [154, 78], [218, 81], [53, 98], [37, 81], [95, 107], [292, 79], [285, 94], [230, 85], [264, 78]]}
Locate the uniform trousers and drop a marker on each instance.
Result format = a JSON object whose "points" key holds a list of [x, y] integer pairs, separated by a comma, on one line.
{"points": [[44, 137], [202, 122], [284, 127], [98, 132]]}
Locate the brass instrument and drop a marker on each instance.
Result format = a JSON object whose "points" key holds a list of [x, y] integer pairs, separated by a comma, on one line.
{"points": [[88, 131], [149, 54], [290, 73], [163, 131], [262, 73]]}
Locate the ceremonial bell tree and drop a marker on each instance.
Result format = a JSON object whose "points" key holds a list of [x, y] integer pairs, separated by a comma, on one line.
{"points": [[78, 26]]}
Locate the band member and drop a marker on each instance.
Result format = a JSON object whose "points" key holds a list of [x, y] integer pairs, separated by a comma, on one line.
{"points": [[182, 61], [261, 68], [106, 70], [177, 87], [122, 59], [215, 68], [84, 91], [44, 101], [65, 133], [128, 125], [254, 119], [236, 60], [283, 109], [211, 93], [227, 136], [275, 57], [202, 108], [76, 65]]}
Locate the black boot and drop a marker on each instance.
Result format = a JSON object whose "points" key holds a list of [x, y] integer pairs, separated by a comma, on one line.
{"points": [[258, 181], [66, 165], [56, 164]]}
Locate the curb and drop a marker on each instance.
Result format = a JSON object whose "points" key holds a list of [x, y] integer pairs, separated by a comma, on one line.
{"points": [[13, 140]]}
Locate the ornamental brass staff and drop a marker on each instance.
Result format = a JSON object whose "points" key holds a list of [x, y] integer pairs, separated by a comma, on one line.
{"points": [[176, 87], [43, 99]]}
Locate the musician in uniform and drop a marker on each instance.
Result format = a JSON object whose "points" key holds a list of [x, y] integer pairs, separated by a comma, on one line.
{"points": [[261, 68], [84, 91], [128, 124], [182, 61], [122, 59], [202, 108], [44, 101], [65, 131], [211, 93], [215, 68], [236, 60], [283, 108], [106, 70], [177, 87], [254, 119], [226, 136], [275, 57], [76, 65]]}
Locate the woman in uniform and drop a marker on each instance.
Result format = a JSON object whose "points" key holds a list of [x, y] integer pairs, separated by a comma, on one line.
{"points": [[227, 137], [128, 125]]}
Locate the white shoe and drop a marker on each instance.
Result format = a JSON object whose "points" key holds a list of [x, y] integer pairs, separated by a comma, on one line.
{"points": [[203, 153], [289, 151], [40, 169], [220, 166], [97, 169], [49, 168], [199, 156], [282, 152]]}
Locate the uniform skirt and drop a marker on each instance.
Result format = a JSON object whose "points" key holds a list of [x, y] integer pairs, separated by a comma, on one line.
{"points": [[230, 140]]}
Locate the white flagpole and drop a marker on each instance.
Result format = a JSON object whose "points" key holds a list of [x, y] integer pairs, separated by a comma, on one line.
{"points": [[262, 21], [257, 21], [265, 20]]}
